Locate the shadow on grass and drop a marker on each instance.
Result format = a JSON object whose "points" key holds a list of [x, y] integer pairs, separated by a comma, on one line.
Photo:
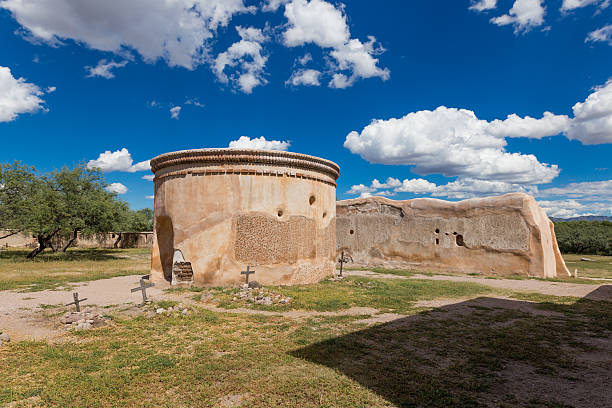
{"points": [[483, 352], [72, 255]]}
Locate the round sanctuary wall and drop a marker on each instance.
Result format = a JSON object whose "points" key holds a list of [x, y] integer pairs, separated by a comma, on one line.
{"points": [[222, 210]]}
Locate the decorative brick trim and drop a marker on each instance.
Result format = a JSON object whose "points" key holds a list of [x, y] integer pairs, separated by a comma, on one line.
{"points": [[222, 157], [243, 172]]}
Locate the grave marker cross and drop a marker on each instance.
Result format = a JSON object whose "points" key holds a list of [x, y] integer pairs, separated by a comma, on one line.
{"points": [[76, 302], [344, 259], [143, 288], [247, 273]]}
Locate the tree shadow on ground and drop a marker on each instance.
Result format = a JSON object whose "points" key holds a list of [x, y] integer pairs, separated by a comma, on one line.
{"points": [[483, 352], [72, 255]]}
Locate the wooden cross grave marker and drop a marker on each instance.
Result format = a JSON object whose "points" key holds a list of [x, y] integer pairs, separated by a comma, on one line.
{"points": [[344, 259], [76, 302], [247, 273], [143, 288]]}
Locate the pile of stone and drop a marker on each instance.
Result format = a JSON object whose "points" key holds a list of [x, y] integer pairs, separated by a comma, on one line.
{"points": [[261, 296], [4, 338], [83, 320], [174, 309]]}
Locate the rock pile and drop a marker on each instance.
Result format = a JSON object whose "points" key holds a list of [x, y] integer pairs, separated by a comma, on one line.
{"points": [[260, 296], [178, 308], [83, 320], [4, 338]]}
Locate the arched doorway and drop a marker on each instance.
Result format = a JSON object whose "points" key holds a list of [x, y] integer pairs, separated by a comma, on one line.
{"points": [[165, 242]]}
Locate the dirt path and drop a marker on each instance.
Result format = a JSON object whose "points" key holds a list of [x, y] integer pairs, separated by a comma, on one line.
{"points": [[593, 292], [22, 314]]}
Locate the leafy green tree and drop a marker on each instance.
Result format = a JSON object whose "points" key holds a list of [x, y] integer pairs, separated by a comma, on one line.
{"points": [[141, 220], [90, 209], [28, 202], [584, 237], [61, 205]]}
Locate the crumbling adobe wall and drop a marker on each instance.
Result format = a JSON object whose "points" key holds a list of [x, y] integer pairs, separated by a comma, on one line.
{"points": [[18, 240], [510, 234]]}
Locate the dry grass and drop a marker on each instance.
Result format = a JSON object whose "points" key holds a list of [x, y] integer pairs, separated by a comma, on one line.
{"points": [[463, 355], [598, 267], [532, 351]]}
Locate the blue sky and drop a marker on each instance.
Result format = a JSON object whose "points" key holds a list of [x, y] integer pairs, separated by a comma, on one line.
{"points": [[417, 98]]}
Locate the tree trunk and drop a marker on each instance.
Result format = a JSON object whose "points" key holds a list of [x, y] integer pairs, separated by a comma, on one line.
{"points": [[116, 244], [44, 242], [42, 245], [71, 240]]}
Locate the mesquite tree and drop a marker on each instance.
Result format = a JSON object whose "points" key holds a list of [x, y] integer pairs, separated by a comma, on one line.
{"points": [[61, 204]]}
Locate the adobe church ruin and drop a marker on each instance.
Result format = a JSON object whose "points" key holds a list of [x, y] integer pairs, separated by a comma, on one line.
{"points": [[218, 211], [510, 234]]}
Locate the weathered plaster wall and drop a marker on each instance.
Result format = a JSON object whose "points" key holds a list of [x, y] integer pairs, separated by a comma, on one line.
{"points": [[108, 239], [103, 240], [510, 234], [226, 209], [19, 240]]}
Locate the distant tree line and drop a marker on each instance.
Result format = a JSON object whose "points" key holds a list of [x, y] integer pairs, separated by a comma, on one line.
{"points": [[585, 237], [58, 206]]}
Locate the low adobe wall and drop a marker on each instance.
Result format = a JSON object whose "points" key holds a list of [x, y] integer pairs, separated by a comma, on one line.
{"points": [[510, 234], [222, 210], [102, 240], [19, 240], [108, 239]]}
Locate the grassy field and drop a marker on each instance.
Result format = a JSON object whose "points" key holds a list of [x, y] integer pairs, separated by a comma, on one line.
{"points": [[598, 267], [50, 270], [487, 348], [463, 355]]}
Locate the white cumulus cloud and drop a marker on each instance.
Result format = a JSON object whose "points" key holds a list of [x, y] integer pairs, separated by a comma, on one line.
{"points": [[524, 15], [149, 177], [592, 122], [586, 189], [273, 5], [515, 126], [175, 111], [120, 160], [245, 142], [247, 55], [574, 208], [603, 34], [176, 31], [482, 5], [449, 141], [104, 69], [320, 23], [18, 96], [304, 77], [456, 143], [569, 5], [460, 188], [117, 188]]}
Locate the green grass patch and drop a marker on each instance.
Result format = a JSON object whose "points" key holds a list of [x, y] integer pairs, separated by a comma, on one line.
{"points": [[392, 295], [433, 359], [52, 270]]}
